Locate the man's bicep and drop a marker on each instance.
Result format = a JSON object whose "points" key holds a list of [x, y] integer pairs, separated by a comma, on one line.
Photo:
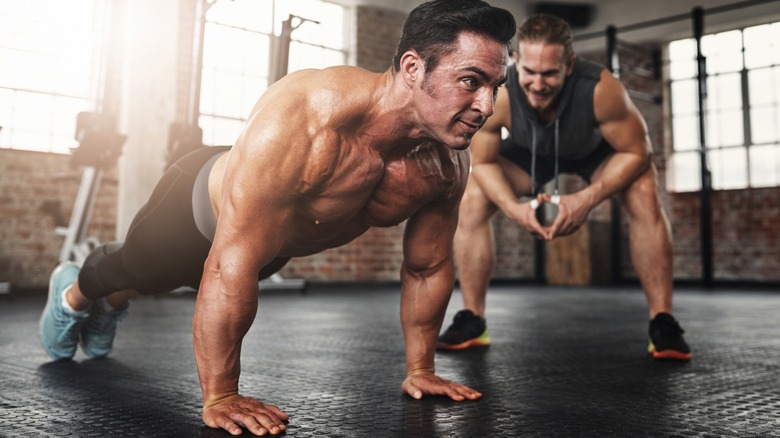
{"points": [[256, 210]]}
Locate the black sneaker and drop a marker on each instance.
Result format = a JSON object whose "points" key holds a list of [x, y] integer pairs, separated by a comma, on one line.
{"points": [[467, 330], [666, 340]]}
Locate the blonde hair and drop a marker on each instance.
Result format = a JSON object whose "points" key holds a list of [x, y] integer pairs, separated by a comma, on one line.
{"points": [[546, 28]]}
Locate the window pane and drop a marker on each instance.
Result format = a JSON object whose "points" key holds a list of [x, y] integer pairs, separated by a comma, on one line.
{"points": [[6, 108], [236, 56], [6, 116], [685, 174], [255, 54], [683, 69], [247, 14], [47, 49], [254, 87], [713, 137], [686, 133], [729, 168], [32, 140], [723, 51], [208, 89], [64, 117], [219, 48], [763, 125], [329, 32], [762, 87], [724, 91], [682, 55], [308, 56], [685, 97], [762, 45], [730, 128], [32, 110], [227, 95], [682, 50], [765, 166]]}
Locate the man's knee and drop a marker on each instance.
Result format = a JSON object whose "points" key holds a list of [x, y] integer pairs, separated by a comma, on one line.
{"points": [[641, 196], [93, 282], [475, 207]]}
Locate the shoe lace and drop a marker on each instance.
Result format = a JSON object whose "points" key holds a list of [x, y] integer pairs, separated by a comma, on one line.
{"points": [[103, 320], [70, 330]]}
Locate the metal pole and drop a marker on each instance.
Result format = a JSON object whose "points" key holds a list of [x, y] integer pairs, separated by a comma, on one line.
{"points": [[540, 254], [613, 64], [705, 196]]}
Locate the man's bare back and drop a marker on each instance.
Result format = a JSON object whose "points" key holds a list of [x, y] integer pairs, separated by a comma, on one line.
{"points": [[355, 184]]}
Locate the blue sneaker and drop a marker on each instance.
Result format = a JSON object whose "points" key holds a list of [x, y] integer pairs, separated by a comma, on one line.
{"points": [[60, 327], [97, 335]]}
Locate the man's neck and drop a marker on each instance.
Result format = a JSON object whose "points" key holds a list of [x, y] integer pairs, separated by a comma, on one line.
{"points": [[391, 122]]}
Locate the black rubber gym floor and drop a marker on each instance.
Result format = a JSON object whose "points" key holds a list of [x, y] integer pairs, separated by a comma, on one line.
{"points": [[564, 362]]}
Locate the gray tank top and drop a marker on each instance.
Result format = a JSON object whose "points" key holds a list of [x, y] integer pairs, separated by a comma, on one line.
{"points": [[579, 134]]}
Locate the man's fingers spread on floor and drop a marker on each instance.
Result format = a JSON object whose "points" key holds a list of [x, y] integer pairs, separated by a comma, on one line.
{"points": [[228, 424], [257, 423], [454, 394], [469, 393], [413, 391], [278, 412]]}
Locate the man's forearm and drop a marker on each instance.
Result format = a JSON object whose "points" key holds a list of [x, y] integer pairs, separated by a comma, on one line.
{"points": [[495, 185], [622, 169], [221, 320], [424, 300]]}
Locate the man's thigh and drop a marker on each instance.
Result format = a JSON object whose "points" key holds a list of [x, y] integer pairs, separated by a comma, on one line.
{"points": [[518, 178]]}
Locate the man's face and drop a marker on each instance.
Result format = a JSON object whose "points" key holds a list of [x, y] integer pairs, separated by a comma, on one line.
{"points": [[543, 71], [458, 95]]}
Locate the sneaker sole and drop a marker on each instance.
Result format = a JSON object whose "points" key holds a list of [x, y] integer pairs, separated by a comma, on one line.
{"points": [[668, 354], [482, 341]]}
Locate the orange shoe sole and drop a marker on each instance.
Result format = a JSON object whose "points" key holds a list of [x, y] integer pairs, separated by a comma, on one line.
{"points": [[668, 354], [477, 342]]}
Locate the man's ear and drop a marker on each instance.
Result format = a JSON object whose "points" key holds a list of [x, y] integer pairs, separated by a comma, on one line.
{"points": [[570, 65], [411, 66]]}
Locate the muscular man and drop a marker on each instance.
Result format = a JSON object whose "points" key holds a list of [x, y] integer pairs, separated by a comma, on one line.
{"points": [[563, 115], [325, 155]]}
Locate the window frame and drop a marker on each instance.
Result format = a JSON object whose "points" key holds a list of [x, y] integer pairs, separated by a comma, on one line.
{"points": [[674, 183]]}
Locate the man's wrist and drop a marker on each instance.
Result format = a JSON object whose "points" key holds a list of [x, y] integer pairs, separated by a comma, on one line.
{"points": [[420, 371]]}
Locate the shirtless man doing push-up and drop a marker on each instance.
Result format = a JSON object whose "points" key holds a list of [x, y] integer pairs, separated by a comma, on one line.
{"points": [[325, 155]]}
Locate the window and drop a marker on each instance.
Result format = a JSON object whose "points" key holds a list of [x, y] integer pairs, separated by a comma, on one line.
{"points": [[742, 130], [49, 65], [237, 52]]}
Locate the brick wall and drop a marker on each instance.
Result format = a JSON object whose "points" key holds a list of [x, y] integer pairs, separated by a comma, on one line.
{"points": [[30, 183]]}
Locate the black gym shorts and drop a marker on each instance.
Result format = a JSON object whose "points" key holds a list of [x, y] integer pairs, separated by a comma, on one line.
{"points": [[545, 165]]}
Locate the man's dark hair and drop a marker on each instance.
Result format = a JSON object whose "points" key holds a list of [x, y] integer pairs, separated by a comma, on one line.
{"points": [[433, 27]]}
